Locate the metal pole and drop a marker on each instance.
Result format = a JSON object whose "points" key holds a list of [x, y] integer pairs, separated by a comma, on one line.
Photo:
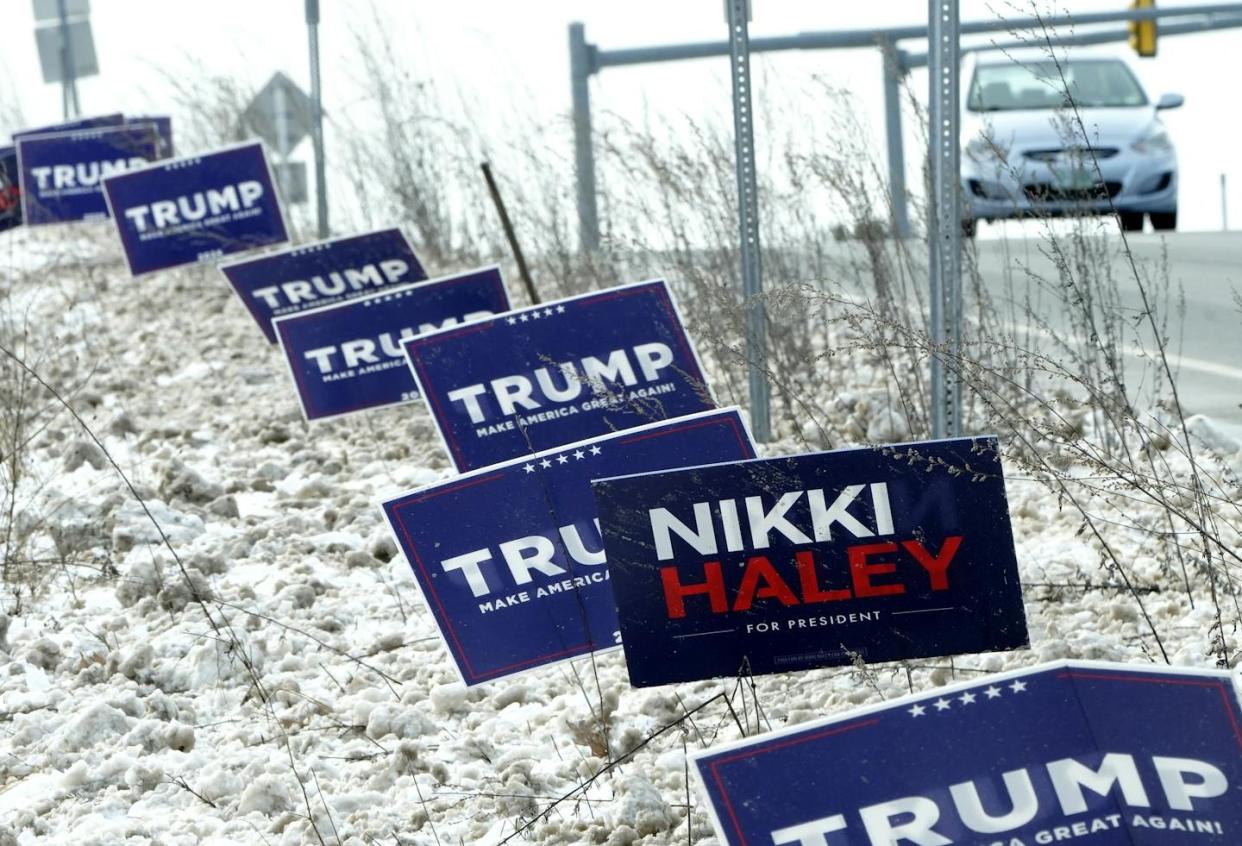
{"points": [[321, 172], [893, 72], [505, 222], [748, 214], [945, 232], [68, 83], [1224, 205], [580, 70]]}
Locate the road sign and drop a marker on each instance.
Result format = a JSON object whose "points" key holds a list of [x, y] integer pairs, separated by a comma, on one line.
{"points": [[82, 51], [509, 557], [557, 373], [324, 273], [196, 209], [872, 554], [50, 10], [281, 114], [1069, 752], [62, 173], [347, 357]]}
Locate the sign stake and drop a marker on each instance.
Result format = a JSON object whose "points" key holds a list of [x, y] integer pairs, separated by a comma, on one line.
{"points": [[748, 213], [499, 202]]}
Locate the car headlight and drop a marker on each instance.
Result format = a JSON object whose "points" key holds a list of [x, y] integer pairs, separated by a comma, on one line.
{"points": [[1153, 142], [984, 149]]}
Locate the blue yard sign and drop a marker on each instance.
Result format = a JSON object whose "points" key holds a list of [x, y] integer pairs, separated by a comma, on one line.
{"points": [[94, 122], [196, 209], [62, 173], [321, 274], [163, 125], [560, 372], [347, 357], [509, 558], [10, 190], [874, 554], [1070, 752]]}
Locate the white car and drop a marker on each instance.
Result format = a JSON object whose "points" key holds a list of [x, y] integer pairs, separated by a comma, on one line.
{"points": [[1026, 153]]}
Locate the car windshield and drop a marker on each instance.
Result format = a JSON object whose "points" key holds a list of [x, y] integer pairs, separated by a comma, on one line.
{"points": [[1038, 85]]}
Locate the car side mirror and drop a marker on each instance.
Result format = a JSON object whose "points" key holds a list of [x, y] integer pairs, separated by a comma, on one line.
{"points": [[1170, 101]]}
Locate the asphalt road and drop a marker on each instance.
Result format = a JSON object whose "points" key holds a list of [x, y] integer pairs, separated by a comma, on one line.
{"points": [[1205, 341]]}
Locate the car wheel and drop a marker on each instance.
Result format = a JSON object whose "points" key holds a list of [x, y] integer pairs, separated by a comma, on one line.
{"points": [[1131, 221], [1163, 221]]}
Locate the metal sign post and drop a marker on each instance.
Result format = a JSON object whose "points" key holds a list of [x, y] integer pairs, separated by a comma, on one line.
{"points": [[69, 83], [945, 232], [321, 179], [748, 214]]}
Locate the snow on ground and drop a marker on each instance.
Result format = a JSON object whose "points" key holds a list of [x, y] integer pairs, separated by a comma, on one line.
{"points": [[128, 717]]}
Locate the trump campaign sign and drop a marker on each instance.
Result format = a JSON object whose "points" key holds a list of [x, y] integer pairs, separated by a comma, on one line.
{"points": [[782, 564], [509, 557], [62, 173], [557, 373], [1071, 752], [347, 357], [10, 190], [196, 209], [289, 281]]}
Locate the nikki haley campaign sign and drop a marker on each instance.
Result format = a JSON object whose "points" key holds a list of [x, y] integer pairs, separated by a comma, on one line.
{"points": [[196, 209], [295, 280], [509, 557], [557, 373], [62, 173], [1069, 752], [347, 357], [781, 564]]}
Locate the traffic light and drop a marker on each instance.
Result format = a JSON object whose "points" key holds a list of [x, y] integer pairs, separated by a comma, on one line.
{"points": [[1143, 33]]}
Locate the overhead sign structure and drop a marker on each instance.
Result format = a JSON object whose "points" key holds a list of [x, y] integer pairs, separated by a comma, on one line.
{"points": [[874, 554], [196, 209], [347, 357], [509, 557], [62, 173], [10, 190], [559, 372], [1070, 752], [294, 280]]}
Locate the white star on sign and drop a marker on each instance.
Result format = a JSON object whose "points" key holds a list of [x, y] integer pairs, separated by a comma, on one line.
{"points": [[512, 321], [547, 312], [966, 698], [562, 459], [595, 450], [534, 315], [560, 309], [523, 318], [993, 692], [1018, 686], [545, 464], [579, 454], [941, 704], [918, 711], [529, 468]]}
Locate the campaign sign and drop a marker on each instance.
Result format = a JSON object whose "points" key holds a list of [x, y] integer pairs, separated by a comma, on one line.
{"points": [[560, 372], [320, 274], [1069, 752], [62, 173], [509, 557], [817, 560], [163, 125], [10, 190], [347, 357], [94, 122], [196, 209]]}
